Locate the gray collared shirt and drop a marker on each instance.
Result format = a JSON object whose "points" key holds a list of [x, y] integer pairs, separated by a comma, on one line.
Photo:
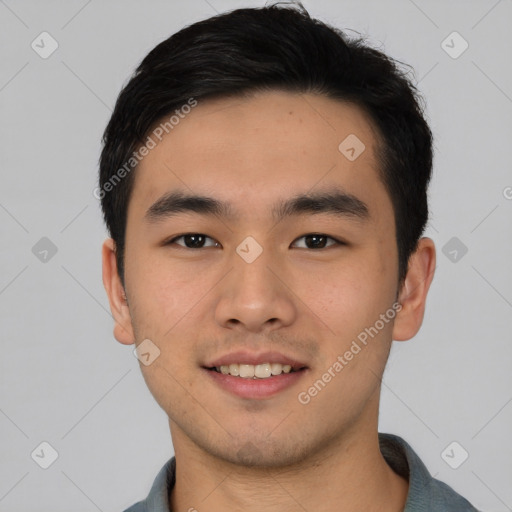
{"points": [[426, 494]]}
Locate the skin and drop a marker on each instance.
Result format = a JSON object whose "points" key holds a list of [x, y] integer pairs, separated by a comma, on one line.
{"points": [[198, 304]]}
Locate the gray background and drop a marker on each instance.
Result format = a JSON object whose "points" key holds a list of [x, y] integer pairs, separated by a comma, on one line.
{"points": [[64, 378]]}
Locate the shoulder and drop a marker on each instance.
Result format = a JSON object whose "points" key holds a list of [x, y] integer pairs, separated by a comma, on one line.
{"points": [[425, 492], [446, 499], [158, 498], [137, 507]]}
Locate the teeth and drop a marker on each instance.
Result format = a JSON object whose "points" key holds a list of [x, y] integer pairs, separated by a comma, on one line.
{"points": [[262, 371], [246, 371], [276, 368], [250, 371]]}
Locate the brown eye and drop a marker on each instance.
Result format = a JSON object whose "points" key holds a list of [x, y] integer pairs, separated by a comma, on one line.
{"points": [[194, 241], [315, 241]]}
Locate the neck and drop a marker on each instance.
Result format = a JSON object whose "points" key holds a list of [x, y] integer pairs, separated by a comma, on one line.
{"points": [[348, 473]]}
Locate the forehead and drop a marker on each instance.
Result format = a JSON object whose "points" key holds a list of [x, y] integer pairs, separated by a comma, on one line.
{"points": [[269, 146]]}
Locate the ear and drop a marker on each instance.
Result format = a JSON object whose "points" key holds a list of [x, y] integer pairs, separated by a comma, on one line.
{"points": [[413, 293], [123, 330]]}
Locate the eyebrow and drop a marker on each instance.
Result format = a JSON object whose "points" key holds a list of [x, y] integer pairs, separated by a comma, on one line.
{"points": [[333, 202]]}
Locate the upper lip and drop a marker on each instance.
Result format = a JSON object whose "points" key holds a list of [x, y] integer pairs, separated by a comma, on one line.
{"points": [[245, 357]]}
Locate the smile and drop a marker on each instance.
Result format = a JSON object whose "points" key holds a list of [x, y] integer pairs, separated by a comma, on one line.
{"points": [[251, 371]]}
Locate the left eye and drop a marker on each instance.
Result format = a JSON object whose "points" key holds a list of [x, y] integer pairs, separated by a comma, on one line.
{"points": [[315, 241], [194, 241]]}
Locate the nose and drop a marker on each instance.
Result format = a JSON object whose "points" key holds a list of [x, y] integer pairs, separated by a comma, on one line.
{"points": [[255, 297]]}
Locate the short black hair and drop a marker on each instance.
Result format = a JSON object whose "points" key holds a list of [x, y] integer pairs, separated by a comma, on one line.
{"points": [[276, 47]]}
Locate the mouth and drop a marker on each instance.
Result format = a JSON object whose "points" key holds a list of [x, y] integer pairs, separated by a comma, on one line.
{"points": [[255, 382], [258, 371], [255, 376]]}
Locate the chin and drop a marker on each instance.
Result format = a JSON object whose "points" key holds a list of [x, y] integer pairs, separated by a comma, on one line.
{"points": [[262, 454]]}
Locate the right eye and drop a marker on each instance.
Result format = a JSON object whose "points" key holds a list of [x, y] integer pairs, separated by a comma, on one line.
{"points": [[193, 241]]}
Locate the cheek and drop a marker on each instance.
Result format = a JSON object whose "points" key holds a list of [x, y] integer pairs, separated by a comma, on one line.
{"points": [[163, 307], [168, 309], [158, 303], [351, 296], [163, 294]]}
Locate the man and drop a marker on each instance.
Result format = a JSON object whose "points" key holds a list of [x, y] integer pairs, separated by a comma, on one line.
{"points": [[264, 181]]}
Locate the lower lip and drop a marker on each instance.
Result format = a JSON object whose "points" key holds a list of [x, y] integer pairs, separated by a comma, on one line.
{"points": [[255, 389]]}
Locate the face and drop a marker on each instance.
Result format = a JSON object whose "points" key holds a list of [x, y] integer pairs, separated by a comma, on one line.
{"points": [[315, 272]]}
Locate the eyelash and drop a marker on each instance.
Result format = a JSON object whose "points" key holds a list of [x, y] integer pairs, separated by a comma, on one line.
{"points": [[337, 242]]}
